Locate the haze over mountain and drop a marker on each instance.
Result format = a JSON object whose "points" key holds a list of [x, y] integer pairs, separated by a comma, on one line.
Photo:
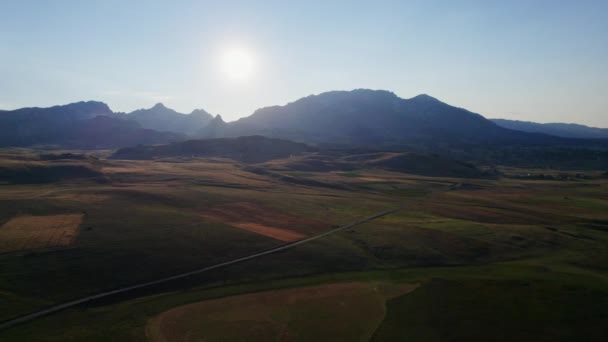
{"points": [[359, 117], [372, 117], [566, 130], [162, 118], [77, 125], [216, 128]]}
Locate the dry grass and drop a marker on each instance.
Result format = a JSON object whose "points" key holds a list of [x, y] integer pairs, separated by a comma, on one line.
{"points": [[343, 311], [263, 220], [213, 171], [272, 232], [36, 232], [85, 198]]}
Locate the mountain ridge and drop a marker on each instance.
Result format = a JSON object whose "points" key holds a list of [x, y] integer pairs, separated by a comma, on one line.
{"points": [[358, 118], [364, 116], [161, 118], [566, 130], [85, 124]]}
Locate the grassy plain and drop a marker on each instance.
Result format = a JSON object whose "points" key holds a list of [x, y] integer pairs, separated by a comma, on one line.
{"points": [[336, 312], [527, 257]]}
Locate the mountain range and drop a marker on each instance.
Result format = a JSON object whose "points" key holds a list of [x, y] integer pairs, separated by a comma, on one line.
{"points": [[365, 117], [161, 118], [566, 130], [93, 124], [360, 117]]}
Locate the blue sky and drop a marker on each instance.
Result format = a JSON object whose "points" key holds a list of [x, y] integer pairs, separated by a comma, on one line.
{"points": [[543, 61]]}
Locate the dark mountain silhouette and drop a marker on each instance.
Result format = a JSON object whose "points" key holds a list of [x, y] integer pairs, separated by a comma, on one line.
{"points": [[566, 130], [359, 118], [27, 126], [375, 117], [161, 118], [249, 149], [78, 125], [108, 132], [72, 111]]}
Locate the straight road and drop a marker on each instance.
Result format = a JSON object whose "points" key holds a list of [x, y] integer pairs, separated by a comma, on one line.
{"points": [[29, 317]]}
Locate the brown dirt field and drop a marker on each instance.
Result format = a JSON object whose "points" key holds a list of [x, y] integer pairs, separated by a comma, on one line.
{"points": [[371, 179], [35, 232], [86, 198], [125, 169], [264, 220], [484, 214], [343, 311], [275, 233]]}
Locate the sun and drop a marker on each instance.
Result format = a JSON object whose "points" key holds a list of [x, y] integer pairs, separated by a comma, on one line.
{"points": [[237, 64]]}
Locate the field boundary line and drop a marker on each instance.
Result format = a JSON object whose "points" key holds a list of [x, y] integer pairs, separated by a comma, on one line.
{"points": [[56, 308]]}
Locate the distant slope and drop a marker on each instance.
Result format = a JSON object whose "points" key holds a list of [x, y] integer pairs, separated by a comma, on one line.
{"points": [[412, 163], [558, 129], [107, 132], [250, 149], [24, 173], [29, 126], [374, 117], [162, 118], [421, 164], [215, 129], [77, 125], [72, 111], [20, 168]]}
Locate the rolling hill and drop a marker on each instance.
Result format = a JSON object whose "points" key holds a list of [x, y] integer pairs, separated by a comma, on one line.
{"points": [[405, 162], [249, 149]]}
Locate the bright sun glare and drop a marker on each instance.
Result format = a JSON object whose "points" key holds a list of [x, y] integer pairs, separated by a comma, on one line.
{"points": [[237, 64]]}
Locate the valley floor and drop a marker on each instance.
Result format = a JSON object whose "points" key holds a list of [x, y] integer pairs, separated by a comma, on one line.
{"points": [[466, 259]]}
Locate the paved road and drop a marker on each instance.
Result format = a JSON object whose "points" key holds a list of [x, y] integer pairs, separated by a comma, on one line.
{"points": [[59, 307]]}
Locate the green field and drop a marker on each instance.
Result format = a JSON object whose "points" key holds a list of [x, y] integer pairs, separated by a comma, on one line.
{"points": [[493, 259]]}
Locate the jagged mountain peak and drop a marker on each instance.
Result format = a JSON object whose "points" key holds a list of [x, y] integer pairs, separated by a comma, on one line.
{"points": [[162, 118]]}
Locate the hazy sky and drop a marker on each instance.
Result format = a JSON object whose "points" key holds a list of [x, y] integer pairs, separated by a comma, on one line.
{"points": [[543, 61]]}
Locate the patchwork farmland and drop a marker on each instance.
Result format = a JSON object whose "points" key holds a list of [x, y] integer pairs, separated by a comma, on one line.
{"points": [[463, 241], [29, 233]]}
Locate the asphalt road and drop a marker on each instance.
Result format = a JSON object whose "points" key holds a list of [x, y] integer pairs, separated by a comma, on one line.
{"points": [[29, 317]]}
